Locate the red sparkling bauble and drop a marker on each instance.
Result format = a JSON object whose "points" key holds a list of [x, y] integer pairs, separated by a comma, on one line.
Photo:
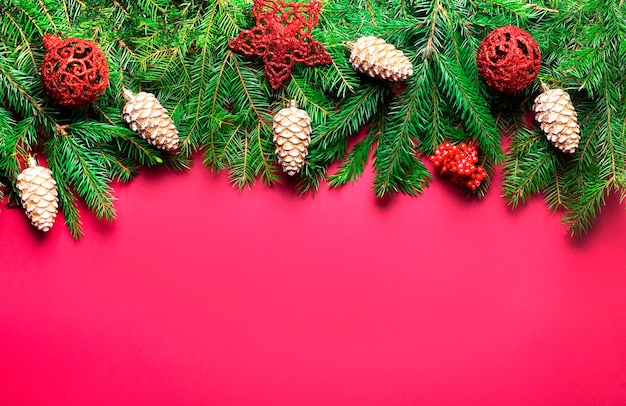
{"points": [[282, 37], [74, 71], [508, 59], [458, 163]]}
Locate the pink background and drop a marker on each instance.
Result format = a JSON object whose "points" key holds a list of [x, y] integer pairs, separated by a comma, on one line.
{"points": [[200, 294]]}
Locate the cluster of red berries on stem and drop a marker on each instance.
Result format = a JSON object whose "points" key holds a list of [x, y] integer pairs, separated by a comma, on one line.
{"points": [[458, 163]]}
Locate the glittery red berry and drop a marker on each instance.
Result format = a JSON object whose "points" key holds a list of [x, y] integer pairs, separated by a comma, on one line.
{"points": [[457, 162], [508, 59], [74, 71]]}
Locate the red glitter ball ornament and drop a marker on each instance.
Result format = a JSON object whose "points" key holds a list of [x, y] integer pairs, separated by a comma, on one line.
{"points": [[74, 71], [282, 37], [508, 59], [458, 163]]}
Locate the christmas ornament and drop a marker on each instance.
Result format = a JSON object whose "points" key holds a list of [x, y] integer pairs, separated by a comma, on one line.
{"points": [[74, 71], [145, 115], [39, 196], [556, 115], [508, 59], [282, 37], [458, 163], [292, 135], [379, 59]]}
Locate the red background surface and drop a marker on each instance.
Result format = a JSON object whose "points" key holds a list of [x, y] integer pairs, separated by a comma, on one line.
{"points": [[200, 294]]}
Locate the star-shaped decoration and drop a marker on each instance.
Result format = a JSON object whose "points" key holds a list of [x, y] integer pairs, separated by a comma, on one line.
{"points": [[282, 37]]}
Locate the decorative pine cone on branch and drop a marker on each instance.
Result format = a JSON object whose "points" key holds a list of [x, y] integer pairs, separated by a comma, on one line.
{"points": [[558, 119], [147, 117], [292, 135], [39, 195], [376, 58]]}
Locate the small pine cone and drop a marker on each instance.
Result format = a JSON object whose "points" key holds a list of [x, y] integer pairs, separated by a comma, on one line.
{"points": [[145, 115], [292, 135], [558, 119], [39, 195], [379, 59]]}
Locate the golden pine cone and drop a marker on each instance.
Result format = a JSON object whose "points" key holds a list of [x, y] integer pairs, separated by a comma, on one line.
{"points": [[145, 115], [39, 195], [292, 136], [379, 59], [556, 115]]}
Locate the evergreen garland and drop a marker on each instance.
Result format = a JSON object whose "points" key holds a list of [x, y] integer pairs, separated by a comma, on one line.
{"points": [[223, 105]]}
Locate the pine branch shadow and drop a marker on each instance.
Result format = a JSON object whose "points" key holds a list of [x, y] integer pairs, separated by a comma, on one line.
{"points": [[608, 219]]}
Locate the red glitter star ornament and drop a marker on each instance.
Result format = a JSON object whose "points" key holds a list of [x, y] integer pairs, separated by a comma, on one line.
{"points": [[282, 37]]}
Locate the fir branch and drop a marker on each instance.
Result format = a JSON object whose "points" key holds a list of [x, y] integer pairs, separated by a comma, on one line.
{"points": [[331, 140], [342, 81], [250, 91], [248, 96], [529, 166], [396, 167], [555, 194], [66, 12], [612, 159], [76, 164], [43, 10], [226, 143], [149, 9], [467, 101], [22, 34], [22, 92], [583, 214], [137, 149], [262, 151], [219, 98], [215, 24], [354, 163], [120, 169], [67, 203], [308, 98], [7, 124], [17, 141], [355, 111], [240, 172]]}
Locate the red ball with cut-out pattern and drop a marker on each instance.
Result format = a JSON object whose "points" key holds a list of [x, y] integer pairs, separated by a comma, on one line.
{"points": [[508, 59], [74, 71]]}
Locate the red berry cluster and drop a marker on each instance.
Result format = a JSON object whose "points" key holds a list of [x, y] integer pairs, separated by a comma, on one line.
{"points": [[458, 162]]}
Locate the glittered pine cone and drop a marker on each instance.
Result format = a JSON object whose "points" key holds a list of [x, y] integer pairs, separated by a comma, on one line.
{"points": [[39, 195], [147, 117], [74, 71], [376, 58], [558, 120], [508, 59], [292, 136]]}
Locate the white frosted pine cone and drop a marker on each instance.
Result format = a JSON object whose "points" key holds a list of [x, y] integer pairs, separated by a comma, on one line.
{"points": [[558, 120], [39, 195], [145, 115], [292, 136], [375, 57]]}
